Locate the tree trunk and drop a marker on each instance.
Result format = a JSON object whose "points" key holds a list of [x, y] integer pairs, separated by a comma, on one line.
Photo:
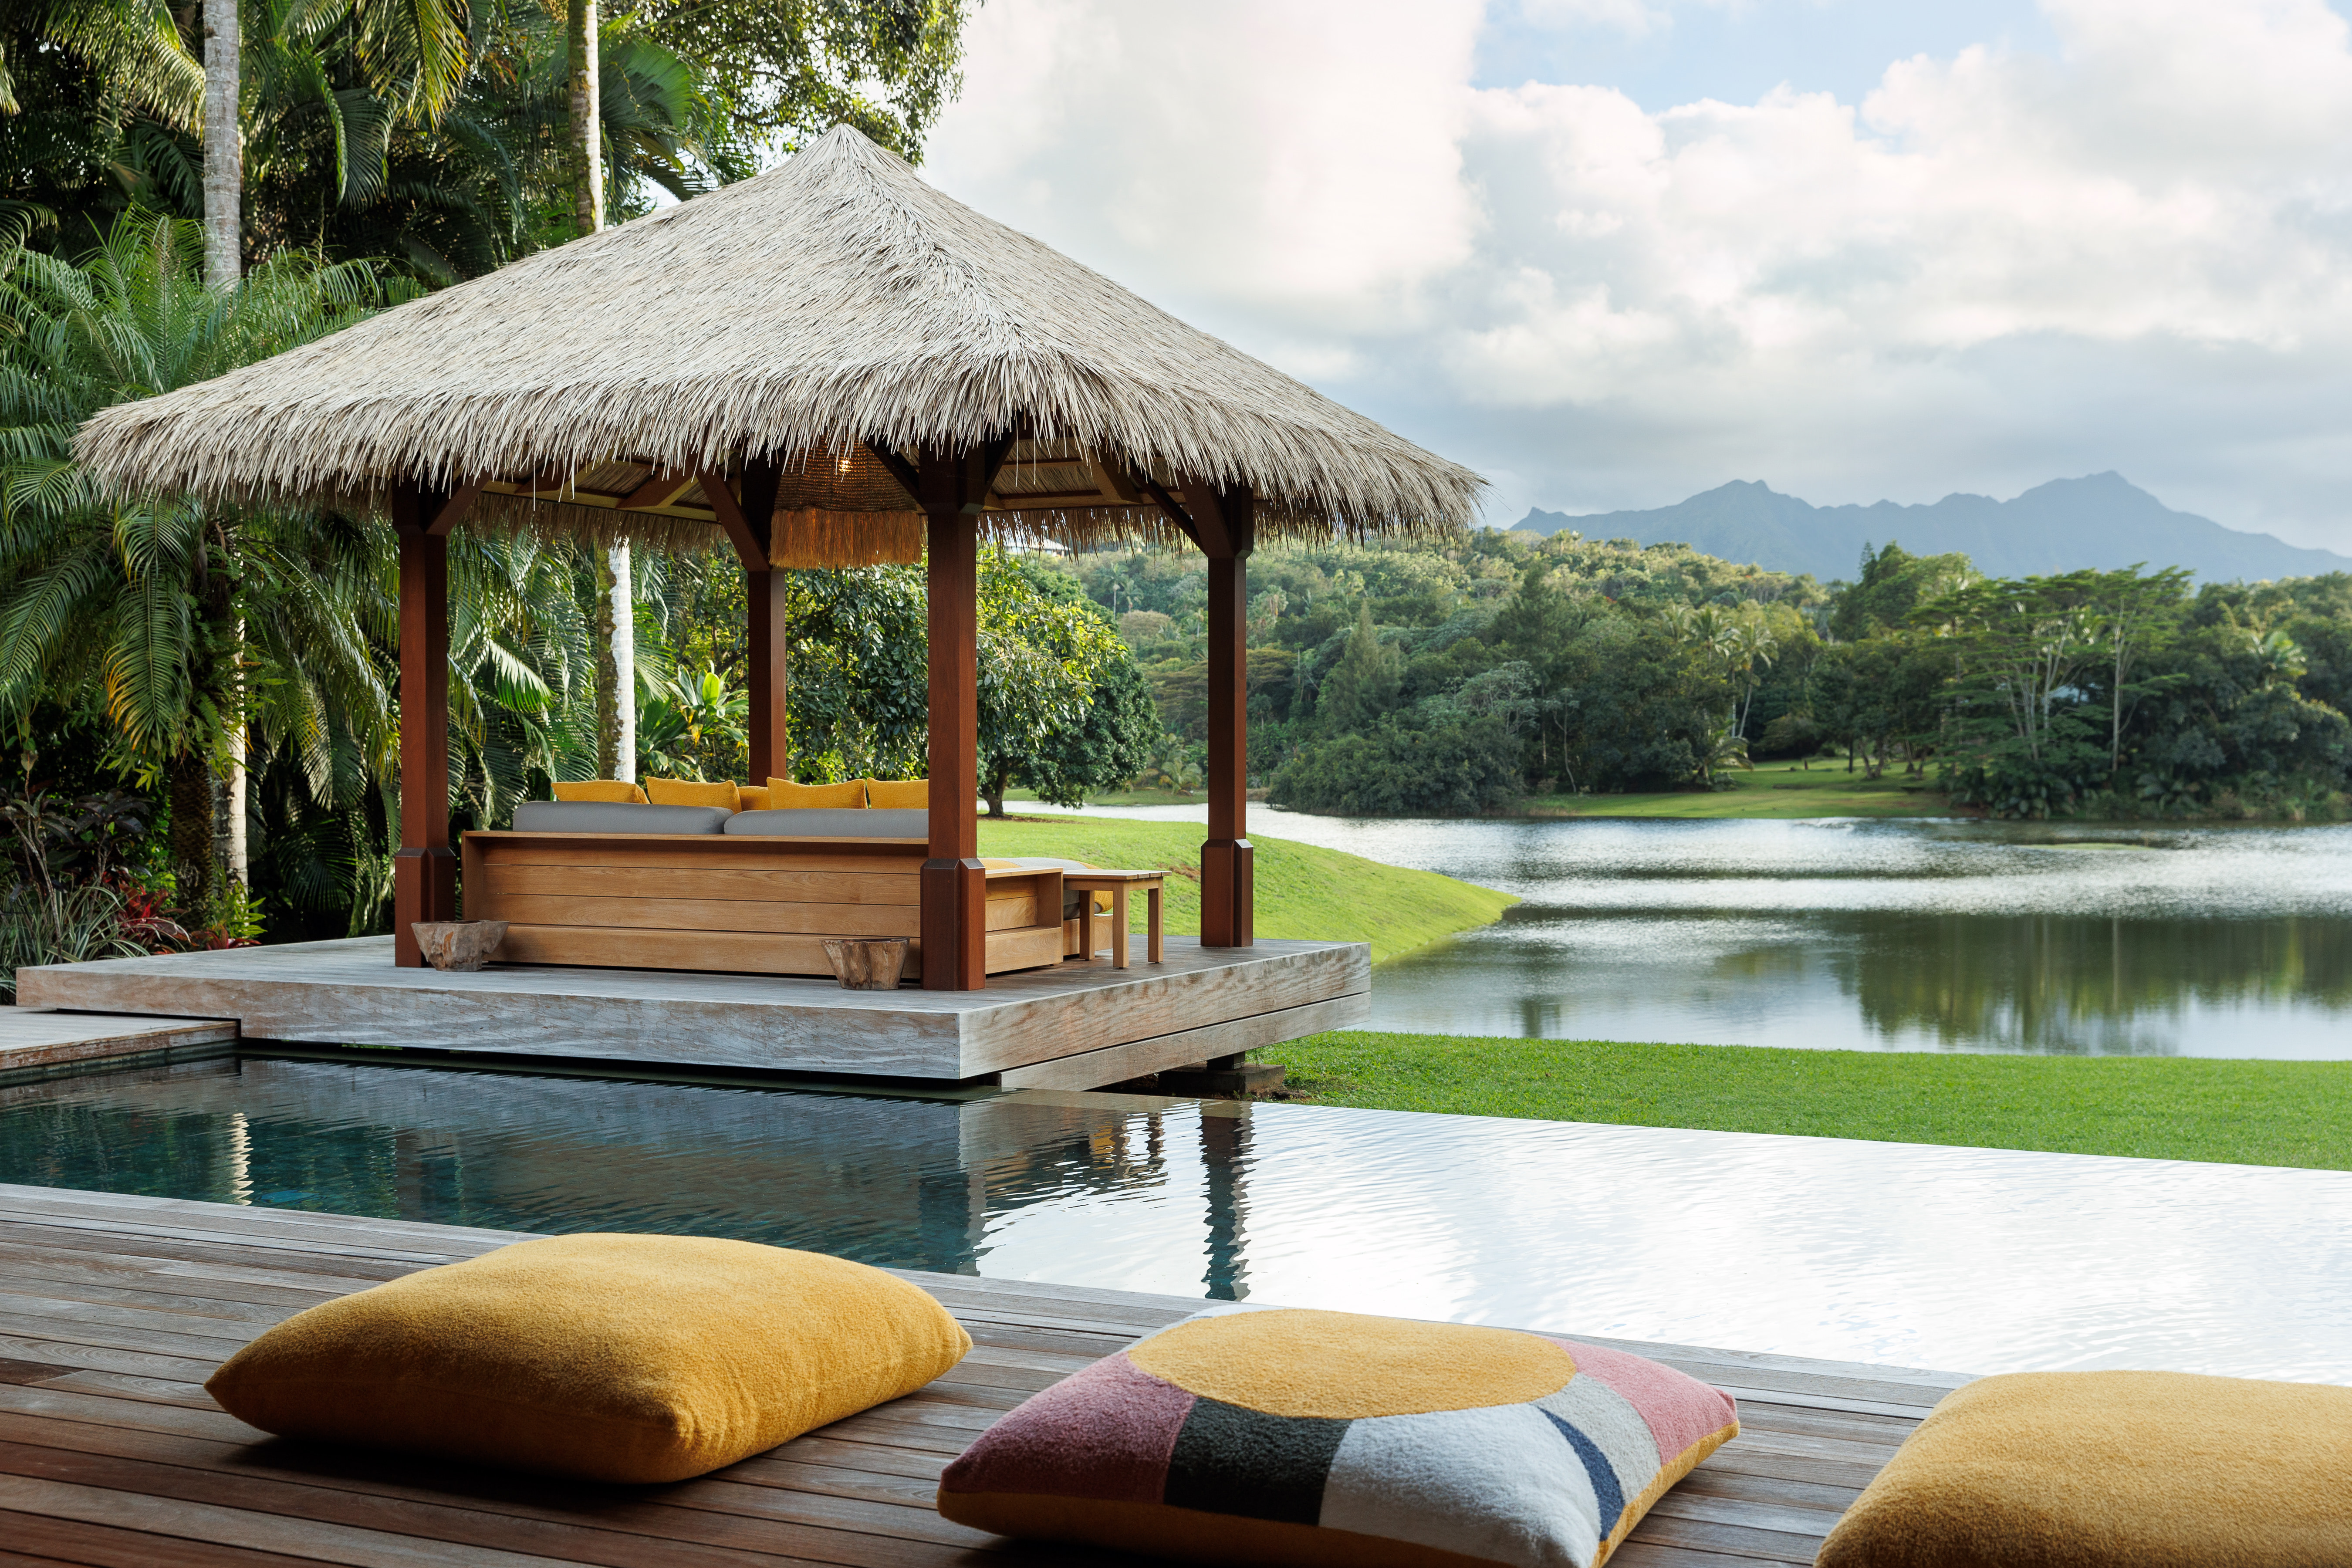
{"points": [[993, 787], [587, 132], [608, 675], [236, 857], [224, 149], [621, 648]]}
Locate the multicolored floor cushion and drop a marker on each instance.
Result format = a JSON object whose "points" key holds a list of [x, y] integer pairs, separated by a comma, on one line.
{"points": [[2113, 1469], [1284, 1437]]}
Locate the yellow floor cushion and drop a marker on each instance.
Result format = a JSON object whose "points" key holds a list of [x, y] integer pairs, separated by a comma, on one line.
{"points": [[2113, 1469], [785, 795], [608, 1358], [752, 797], [903, 794], [609, 790], [693, 791]]}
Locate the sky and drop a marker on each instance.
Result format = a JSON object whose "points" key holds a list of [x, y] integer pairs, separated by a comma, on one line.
{"points": [[1611, 253]]}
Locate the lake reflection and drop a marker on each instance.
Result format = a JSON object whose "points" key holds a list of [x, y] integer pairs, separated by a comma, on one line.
{"points": [[1931, 935], [1912, 936]]}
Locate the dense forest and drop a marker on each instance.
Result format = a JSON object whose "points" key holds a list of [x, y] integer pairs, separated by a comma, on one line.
{"points": [[1406, 678]]}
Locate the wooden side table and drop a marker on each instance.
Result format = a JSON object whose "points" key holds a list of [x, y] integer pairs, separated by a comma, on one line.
{"points": [[1118, 884]]}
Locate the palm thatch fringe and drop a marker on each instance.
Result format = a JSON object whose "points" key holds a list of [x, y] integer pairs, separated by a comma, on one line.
{"points": [[834, 302], [803, 539]]}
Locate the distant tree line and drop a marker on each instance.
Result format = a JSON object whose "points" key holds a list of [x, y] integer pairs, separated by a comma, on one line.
{"points": [[1416, 679]]}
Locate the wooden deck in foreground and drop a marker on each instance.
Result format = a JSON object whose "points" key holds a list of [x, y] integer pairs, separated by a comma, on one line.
{"points": [[1074, 1026], [113, 1310]]}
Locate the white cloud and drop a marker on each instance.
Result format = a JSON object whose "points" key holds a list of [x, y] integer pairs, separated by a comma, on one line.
{"points": [[1996, 268]]}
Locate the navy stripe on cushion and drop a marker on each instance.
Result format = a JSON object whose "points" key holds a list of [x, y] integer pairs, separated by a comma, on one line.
{"points": [[1606, 1492]]}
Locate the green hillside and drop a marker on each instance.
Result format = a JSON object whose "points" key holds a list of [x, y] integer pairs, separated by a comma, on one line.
{"points": [[1301, 890]]}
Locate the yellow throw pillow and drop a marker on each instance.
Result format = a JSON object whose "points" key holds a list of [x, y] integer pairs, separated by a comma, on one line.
{"points": [[752, 797], [689, 792], [785, 795], [609, 1357], [906, 794], [2113, 1469], [613, 790]]}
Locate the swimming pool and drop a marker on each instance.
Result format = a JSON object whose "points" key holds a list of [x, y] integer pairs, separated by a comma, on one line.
{"points": [[1974, 1260]]}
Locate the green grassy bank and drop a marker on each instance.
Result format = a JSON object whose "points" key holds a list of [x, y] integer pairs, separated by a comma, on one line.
{"points": [[2249, 1113], [1768, 790], [1299, 890]]}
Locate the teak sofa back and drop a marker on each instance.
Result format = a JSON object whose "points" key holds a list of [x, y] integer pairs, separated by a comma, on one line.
{"points": [[747, 903]]}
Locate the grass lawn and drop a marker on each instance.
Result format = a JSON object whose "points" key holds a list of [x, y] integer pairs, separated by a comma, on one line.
{"points": [[2248, 1112], [1139, 795], [1768, 790], [1299, 890]]}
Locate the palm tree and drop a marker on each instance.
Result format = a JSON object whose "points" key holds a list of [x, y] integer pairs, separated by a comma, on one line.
{"points": [[169, 615]]}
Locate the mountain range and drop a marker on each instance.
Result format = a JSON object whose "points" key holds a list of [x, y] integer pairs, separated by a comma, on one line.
{"points": [[2104, 521]]}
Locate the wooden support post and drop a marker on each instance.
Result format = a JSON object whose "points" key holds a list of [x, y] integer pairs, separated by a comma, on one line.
{"points": [[1225, 526], [954, 886], [750, 526], [424, 871]]}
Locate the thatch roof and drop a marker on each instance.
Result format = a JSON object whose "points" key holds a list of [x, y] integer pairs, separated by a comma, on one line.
{"points": [[835, 313]]}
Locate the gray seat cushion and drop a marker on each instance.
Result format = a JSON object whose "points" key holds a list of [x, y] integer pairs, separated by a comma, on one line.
{"points": [[832, 822], [616, 816]]}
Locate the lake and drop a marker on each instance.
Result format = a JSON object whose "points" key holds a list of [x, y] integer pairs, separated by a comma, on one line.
{"points": [[1887, 935]]}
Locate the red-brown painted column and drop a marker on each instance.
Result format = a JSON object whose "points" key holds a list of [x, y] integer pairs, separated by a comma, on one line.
{"points": [[954, 886], [1225, 525], [424, 871], [767, 630]]}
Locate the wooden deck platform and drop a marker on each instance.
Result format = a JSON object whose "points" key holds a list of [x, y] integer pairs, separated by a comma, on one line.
{"points": [[113, 1310], [1077, 1025]]}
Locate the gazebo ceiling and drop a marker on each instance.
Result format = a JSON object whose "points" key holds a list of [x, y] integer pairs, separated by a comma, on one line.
{"points": [[831, 509], [835, 316]]}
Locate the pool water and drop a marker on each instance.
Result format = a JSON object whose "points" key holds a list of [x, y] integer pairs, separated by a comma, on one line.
{"points": [[1964, 1259]]}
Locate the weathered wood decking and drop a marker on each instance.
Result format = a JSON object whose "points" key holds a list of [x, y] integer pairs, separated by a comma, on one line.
{"points": [[1074, 1026], [113, 1310]]}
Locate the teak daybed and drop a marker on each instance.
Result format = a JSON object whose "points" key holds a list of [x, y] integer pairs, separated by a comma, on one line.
{"points": [[683, 886]]}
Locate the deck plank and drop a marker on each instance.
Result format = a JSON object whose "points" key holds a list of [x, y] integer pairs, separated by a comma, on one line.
{"points": [[114, 1308]]}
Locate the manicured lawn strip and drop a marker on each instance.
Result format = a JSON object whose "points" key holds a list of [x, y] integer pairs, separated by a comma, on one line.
{"points": [[2245, 1112], [1300, 890], [1771, 790]]}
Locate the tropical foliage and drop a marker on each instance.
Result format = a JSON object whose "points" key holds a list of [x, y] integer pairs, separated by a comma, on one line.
{"points": [[432, 133], [153, 649], [1405, 679]]}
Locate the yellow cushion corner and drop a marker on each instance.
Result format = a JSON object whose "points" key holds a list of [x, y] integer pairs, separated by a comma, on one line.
{"points": [[620, 791], [753, 798], [898, 794], [631, 1359], [2112, 1470], [693, 791], [785, 795]]}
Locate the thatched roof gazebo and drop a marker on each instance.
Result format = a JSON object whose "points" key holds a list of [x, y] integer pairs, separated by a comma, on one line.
{"points": [[830, 365]]}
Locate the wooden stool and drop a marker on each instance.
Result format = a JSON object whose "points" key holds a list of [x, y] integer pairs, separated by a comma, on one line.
{"points": [[1118, 884]]}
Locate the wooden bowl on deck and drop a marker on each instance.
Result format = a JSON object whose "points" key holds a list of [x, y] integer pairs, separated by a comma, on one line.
{"points": [[463, 945]]}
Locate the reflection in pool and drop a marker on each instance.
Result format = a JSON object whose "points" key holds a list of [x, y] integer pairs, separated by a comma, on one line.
{"points": [[1977, 1260]]}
